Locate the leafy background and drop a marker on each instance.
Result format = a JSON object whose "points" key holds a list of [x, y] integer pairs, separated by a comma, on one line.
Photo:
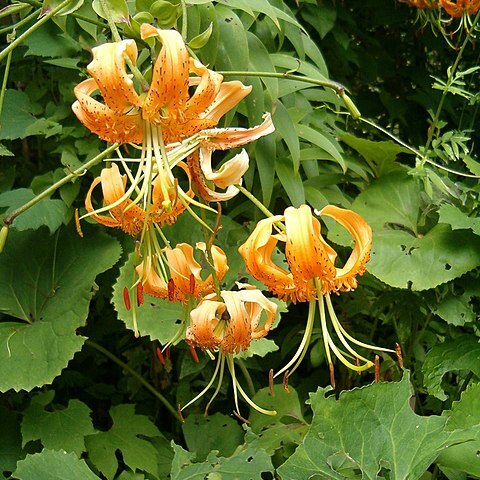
{"points": [[81, 397]]}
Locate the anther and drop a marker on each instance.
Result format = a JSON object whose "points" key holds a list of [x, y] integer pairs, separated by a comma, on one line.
{"points": [[140, 294], [160, 356], [377, 368], [285, 382], [398, 351], [126, 298], [180, 414], [332, 375], [171, 289], [270, 382], [77, 223], [244, 420], [194, 354], [192, 284]]}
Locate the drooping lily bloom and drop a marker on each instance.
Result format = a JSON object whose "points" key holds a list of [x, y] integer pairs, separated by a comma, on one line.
{"points": [[459, 8], [185, 280], [231, 323], [422, 4], [312, 273], [167, 102]]}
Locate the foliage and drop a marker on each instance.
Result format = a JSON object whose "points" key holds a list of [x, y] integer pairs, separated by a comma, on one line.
{"points": [[375, 108]]}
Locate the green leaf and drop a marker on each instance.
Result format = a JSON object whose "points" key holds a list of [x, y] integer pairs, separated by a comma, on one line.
{"points": [[457, 219], [47, 212], [46, 282], [5, 152], [260, 348], [401, 256], [367, 431], [157, 318], [59, 429], [117, 10], [461, 353], [285, 126], [291, 182], [16, 115], [124, 436], [52, 465], [465, 414], [214, 432], [380, 156], [265, 149], [10, 440], [50, 41], [49, 5], [285, 430]]}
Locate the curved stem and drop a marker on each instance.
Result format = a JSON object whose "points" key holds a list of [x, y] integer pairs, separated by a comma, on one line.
{"points": [[21, 22], [5, 79], [137, 376], [30, 30], [79, 171], [246, 376], [255, 201]]}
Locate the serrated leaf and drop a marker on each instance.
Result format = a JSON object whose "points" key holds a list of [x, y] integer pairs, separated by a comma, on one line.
{"points": [[47, 212], [157, 318], [368, 430], [5, 152], [16, 115], [461, 353], [53, 465], [49, 5], [465, 414], [457, 219], [60, 429], [46, 283], [401, 256], [213, 432], [124, 436], [260, 348], [50, 41]]}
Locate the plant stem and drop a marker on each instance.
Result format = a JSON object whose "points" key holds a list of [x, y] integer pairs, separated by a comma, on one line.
{"points": [[5, 79], [246, 375], [132, 372], [30, 30], [20, 23], [79, 171], [255, 201], [451, 76]]}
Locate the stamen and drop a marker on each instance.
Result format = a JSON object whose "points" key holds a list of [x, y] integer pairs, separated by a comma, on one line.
{"points": [[244, 420], [192, 284], [140, 299], [377, 369], [171, 289], [398, 351], [270, 382], [285, 382], [194, 354], [126, 298], [180, 414], [160, 356], [332, 374], [77, 223], [219, 383]]}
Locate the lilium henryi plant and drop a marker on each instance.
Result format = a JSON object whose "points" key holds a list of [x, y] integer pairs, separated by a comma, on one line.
{"points": [[459, 8], [227, 323], [313, 275], [168, 121]]}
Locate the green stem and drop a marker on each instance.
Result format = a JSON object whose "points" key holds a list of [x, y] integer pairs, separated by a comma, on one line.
{"points": [[451, 76], [246, 375], [184, 20], [36, 3], [21, 22], [79, 171], [136, 375], [5, 79], [255, 201], [30, 30]]}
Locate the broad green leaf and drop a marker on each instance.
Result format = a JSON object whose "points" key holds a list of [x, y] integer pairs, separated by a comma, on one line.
{"points": [[50, 41], [457, 219], [369, 430], [213, 432], [46, 283], [233, 45], [125, 436], [259, 348], [461, 353], [53, 465], [49, 5], [117, 10], [465, 414], [157, 318], [5, 152], [291, 182], [265, 149], [285, 430], [86, 11], [202, 39], [285, 126], [248, 462], [401, 255], [380, 156], [10, 440], [47, 212], [60, 429], [16, 115]]}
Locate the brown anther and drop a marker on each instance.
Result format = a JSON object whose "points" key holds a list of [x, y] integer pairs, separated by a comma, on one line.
{"points": [[270, 382], [285, 382], [139, 294], [332, 375], [194, 354], [377, 368], [191, 289], [244, 420], [167, 353], [357, 363], [171, 289], [160, 356], [137, 248], [180, 414], [398, 351], [126, 298], [77, 223]]}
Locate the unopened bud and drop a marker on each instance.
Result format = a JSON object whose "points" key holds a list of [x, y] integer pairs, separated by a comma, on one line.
{"points": [[351, 107], [3, 237]]}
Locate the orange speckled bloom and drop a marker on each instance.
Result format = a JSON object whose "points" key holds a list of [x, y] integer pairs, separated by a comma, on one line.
{"points": [[458, 8], [307, 253], [185, 280], [422, 4], [167, 102]]}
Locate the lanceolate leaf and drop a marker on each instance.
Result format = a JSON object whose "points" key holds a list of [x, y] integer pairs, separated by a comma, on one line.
{"points": [[369, 430], [53, 465], [46, 284]]}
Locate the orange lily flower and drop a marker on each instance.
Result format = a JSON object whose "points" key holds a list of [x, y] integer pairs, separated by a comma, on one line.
{"points": [[459, 8], [167, 102], [232, 323], [185, 279], [422, 4], [313, 275]]}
